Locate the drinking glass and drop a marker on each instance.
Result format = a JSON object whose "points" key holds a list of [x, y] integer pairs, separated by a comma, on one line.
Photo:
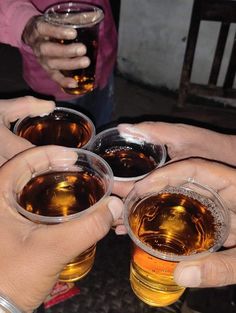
{"points": [[67, 188], [85, 19], [64, 127], [169, 221], [130, 157]]}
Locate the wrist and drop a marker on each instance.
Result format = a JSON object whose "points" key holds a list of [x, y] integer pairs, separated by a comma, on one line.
{"points": [[8, 306]]}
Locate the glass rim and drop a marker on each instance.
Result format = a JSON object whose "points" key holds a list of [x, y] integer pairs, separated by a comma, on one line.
{"points": [[169, 256], [43, 219], [54, 21], [85, 117], [138, 139]]}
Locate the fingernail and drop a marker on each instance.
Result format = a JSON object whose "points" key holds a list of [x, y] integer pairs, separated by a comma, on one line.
{"points": [[70, 33], [81, 50], [131, 129], [85, 62], [73, 84], [115, 206], [43, 114], [125, 127], [120, 230], [189, 277]]}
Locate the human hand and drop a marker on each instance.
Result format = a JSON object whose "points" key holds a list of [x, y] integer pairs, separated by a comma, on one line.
{"points": [[10, 111], [219, 268], [32, 255], [44, 39], [184, 141]]}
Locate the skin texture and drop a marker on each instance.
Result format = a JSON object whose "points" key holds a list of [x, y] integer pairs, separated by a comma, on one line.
{"points": [[23, 250], [219, 268], [182, 142], [52, 55], [32, 255], [26, 246]]}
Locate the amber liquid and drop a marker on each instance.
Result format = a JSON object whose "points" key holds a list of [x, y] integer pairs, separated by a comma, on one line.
{"points": [[128, 161], [58, 128], [175, 224], [85, 77], [62, 194]]}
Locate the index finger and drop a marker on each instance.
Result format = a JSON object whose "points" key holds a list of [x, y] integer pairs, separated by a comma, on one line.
{"points": [[61, 23], [22, 107], [217, 176], [46, 29]]}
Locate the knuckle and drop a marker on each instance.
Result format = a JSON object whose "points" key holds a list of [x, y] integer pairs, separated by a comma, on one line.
{"points": [[28, 99], [42, 48], [219, 272], [50, 64], [54, 76]]}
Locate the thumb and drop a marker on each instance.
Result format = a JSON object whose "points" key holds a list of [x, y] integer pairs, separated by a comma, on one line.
{"points": [[215, 270], [85, 231], [22, 107]]}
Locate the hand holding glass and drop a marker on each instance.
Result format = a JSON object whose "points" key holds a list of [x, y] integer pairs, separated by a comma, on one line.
{"points": [[64, 190], [85, 19], [170, 221]]}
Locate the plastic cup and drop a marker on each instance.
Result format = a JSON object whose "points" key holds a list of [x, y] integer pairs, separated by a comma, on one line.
{"points": [[64, 190], [64, 127], [85, 19], [130, 157], [170, 221]]}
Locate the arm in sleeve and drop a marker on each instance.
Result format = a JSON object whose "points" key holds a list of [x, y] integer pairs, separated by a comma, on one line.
{"points": [[14, 15]]}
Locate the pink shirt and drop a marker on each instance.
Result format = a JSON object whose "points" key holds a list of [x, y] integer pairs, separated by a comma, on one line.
{"points": [[14, 14]]}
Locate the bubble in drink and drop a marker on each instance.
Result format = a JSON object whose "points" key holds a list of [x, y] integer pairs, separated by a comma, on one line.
{"points": [[130, 157], [64, 127], [129, 161], [175, 222]]}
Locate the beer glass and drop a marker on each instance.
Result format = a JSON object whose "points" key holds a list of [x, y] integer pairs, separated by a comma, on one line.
{"points": [[66, 189], [170, 221], [85, 19], [64, 127], [131, 157]]}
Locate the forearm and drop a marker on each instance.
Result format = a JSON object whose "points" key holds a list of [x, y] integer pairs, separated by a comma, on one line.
{"points": [[228, 149], [219, 147], [13, 17], [8, 306], [190, 141]]}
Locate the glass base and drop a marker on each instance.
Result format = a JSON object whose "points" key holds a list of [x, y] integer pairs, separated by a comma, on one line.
{"points": [[79, 267], [154, 293]]}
